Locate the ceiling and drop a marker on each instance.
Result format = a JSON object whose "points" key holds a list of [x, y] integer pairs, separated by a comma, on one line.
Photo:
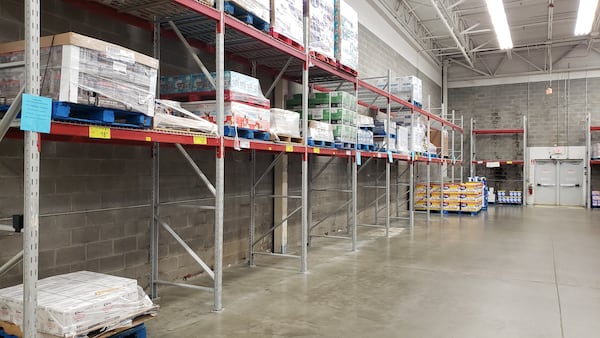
{"points": [[460, 31]]}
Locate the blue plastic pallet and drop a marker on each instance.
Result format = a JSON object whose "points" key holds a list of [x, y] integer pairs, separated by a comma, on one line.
{"points": [[74, 112], [345, 145], [366, 147], [240, 13], [322, 144], [247, 133], [6, 335]]}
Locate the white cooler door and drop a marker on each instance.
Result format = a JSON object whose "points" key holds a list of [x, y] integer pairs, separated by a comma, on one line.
{"points": [[571, 183], [545, 182]]}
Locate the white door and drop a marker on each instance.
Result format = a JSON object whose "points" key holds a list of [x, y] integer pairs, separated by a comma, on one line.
{"points": [[545, 182], [570, 176]]}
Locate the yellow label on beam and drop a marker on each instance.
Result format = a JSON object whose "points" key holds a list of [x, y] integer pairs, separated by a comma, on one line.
{"points": [[148, 139], [99, 132], [316, 150], [200, 140], [508, 162], [289, 148]]}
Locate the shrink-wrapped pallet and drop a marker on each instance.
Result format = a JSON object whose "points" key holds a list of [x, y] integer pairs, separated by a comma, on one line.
{"points": [[287, 19], [365, 137], [320, 131], [285, 123], [346, 34], [236, 114], [322, 20], [259, 8], [79, 69]]}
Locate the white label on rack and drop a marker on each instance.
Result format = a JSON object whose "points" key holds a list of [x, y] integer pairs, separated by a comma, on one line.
{"points": [[119, 67], [495, 164], [245, 144]]}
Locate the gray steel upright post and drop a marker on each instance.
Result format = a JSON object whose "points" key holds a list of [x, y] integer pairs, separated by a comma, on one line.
{"points": [[155, 187], [355, 187], [387, 162], [462, 149], [472, 153], [452, 152], [252, 208], [31, 182], [442, 163], [220, 165], [428, 187], [525, 162], [588, 158], [305, 178]]}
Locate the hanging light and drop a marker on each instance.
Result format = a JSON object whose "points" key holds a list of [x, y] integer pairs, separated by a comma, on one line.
{"points": [[498, 16], [585, 16]]}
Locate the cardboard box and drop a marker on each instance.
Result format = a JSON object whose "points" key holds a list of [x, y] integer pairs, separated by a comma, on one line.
{"points": [[346, 34], [287, 18], [236, 114], [440, 140], [79, 69]]}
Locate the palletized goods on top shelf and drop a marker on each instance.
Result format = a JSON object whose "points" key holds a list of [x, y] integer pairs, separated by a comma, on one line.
{"points": [[79, 69], [76, 303], [346, 34], [364, 121], [409, 88], [258, 8], [287, 18], [320, 131], [170, 115], [322, 21]]}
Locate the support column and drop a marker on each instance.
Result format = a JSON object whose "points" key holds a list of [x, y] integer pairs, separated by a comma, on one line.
{"points": [[281, 205], [32, 173], [252, 208], [155, 187], [220, 159], [305, 173]]}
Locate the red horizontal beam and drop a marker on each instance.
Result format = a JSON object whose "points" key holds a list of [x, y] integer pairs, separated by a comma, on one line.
{"points": [[498, 131], [595, 128], [595, 162]]}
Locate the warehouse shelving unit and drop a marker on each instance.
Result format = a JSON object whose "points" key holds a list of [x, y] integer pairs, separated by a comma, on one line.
{"points": [[208, 28], [501, 162], [593, 163]]}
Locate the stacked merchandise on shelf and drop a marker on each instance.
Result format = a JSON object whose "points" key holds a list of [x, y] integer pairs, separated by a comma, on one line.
{"points": [[287, 19], [595, 199], [171, 115], [365, 125], [472, 196], [76, 303], [408, 88], [82, 70], [402, 142], [417, 132], [284, 123], [335, 108], [346, 35], [596, 151], [245, 105], [322, 21], [258, 8], [439, 139], [320, 131], [509, 197], [380, 132]]}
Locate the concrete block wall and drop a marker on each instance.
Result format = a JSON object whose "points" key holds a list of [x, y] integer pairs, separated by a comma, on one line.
{"points": [[556, 119], [113, 182]]}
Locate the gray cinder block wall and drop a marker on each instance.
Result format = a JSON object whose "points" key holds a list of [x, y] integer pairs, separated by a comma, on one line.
{"points": [[556, 119], [113, 182]]}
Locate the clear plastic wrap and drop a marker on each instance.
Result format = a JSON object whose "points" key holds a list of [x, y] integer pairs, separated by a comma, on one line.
{"points": [[238, 87], [365, 137], [346, 34], [259, 8], [236, 114], [402, 144], [322, 20], [409, 88], [77, 302], [285, 122], [78, 69], [344, 134], [170, 115], [364, 121], [287, 18], [320, 131]]}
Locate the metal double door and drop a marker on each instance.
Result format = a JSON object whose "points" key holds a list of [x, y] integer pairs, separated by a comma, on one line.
{"points": [[559, 182]]}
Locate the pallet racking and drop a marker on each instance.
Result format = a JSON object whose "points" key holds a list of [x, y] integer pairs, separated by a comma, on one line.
{"points": [[591, 161], [198, 25]]}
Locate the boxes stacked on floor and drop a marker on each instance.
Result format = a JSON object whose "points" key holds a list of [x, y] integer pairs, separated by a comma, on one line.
{"points": [[595, 199], [471, 199], [422, 198], [74, 303], [509, 197], [346, 34], [287, 19], [79, 69], [452, 196], [322, 22], [245, 105]]}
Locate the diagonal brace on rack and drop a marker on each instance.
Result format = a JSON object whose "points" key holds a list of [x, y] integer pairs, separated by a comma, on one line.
{"points": [[269, 168], [187, 248], [197, 169], [193, 54], [11, 263], [276, 226], [331, 213], [11, 114], [323, 168], [279, 76]]}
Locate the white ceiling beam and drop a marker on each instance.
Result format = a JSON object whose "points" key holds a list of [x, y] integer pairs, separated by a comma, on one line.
{"points": [[456, 4], [465, 31], [559, 59], [529, 62], [451, 21], [500, 64], [473, 69]]}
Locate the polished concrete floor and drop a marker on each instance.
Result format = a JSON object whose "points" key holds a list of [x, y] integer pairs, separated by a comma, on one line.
{"points": [[510, 272]]}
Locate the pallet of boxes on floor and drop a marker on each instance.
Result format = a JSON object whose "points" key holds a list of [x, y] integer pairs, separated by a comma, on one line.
{"points": [[459, 198]]}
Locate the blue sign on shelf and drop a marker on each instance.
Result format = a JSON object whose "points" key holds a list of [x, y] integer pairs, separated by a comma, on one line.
{"points": [[36, 112], [358, 159], [390, 157]]}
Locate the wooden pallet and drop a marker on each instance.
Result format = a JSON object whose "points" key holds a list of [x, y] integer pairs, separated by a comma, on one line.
{"points": [[286, 138]]}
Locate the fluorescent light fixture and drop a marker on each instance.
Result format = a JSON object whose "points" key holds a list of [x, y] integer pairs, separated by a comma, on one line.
{"points": [[498, 16], [585, 16]]}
